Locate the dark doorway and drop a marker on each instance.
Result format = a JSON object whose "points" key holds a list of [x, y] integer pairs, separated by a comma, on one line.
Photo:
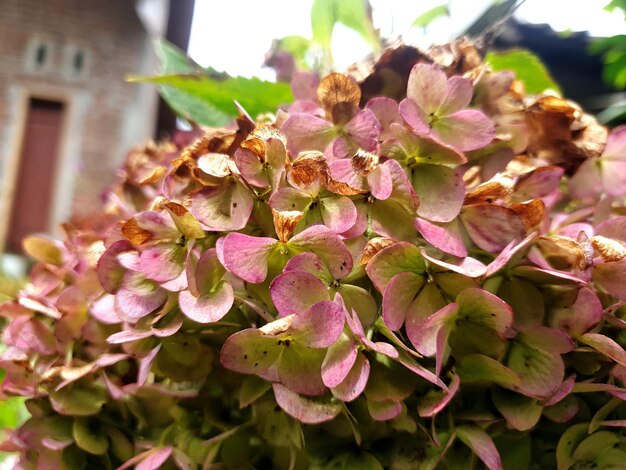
{"points": [[33, 194]]}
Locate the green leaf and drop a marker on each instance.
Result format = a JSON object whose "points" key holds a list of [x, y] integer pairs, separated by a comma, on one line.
{"points": [[527, 67], [206, 93], [355, 14], [431, 15], [173, 60], [79, 400], [568, 442], [88, 440]]}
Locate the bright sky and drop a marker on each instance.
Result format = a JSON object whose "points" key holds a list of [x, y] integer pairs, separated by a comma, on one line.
{"points": [[233, 35]]}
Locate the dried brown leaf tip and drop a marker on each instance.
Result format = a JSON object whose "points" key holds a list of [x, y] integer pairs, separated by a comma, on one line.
{"points": [[489, 191], [373, 246], [531, 212], [339, 95], [562, 252], [309, 168], [609, 249], [134, 233], [257, 141], [285, 223], [363, 163]]}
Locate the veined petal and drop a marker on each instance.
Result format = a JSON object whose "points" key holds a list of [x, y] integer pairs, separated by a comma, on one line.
{"points": [[364, 130], [440, 190], [338, 213], [386, 112], [465, 130], [414, 116], [397, 258], [427, 87], [296, 291], [428, 301], [458, 96], [247, 256], [289, 199], [210, 307], [354, 383], [223, 208], [328, 246], [138, 296], [306, 410], [339, 359], [398, 296], [380, 183], [320, 325], [492, 227], [444, 236], [307, 132], [110, 271], [251, 167], [163, 262]]}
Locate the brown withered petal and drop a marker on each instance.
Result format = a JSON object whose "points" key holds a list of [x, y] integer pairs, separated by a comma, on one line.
{"points": [[215, 164], [308, 168], [587, 246], [184, 220], [338, 88], [153, 176], [343, 189], [285, 223], [561, 134], [255, 145], [363, 163], [489, 191], [214, 141], [373, 246], [562, 252], [135, 234], [609, 249], [387, 74], [278, 326], [531, 212], [456, 58]]}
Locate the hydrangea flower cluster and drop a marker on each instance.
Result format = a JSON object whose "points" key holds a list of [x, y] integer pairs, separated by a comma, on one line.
{"points": [[435, 281]]}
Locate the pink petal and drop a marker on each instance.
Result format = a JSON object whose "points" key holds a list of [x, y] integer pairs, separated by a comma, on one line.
{"points": [[434, 402], [307, 132], [384, 410], [210, 307], [616, 144], [511, 251], [354, 383], [251, 167], [103, 310], [492, 227], [444, 236], [606, 346], [427, 302], [247, 256], [397, 258], [581, 316], [614, 228], [320, 325], [304, 86], [310, 263], [587, 181], [208, 272], [398, 296], [363, 129], [458, 96], [296, 291], [159, 224], [338, 213], [380, 183], [539, 183], [139, 296], [427, 87], [339, 359], [305, 410], [249, 352], [222, 208], [493, 312], [328, 246], [110, 271], [163, 261], [466, 266], [614, 177], [482, 445], [414, 117], [612, 278], [386, 112], [289, 199], [465, 130]]}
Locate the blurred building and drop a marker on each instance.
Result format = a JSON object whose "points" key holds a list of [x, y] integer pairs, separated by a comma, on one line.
{"points": [[67, 116]]}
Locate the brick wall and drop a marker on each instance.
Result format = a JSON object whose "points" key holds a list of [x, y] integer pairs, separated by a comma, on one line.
{"points": [[90, 46]]}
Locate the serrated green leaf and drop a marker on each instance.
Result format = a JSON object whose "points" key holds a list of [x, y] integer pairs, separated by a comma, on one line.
{"points": [[431, 15], [527, 67], [255, 95]]}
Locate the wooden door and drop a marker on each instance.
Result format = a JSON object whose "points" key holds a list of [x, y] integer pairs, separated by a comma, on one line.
{"points": [[34, 187]]}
